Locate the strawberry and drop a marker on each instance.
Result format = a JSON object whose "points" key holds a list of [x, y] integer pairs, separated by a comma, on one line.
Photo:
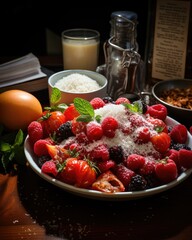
{"points": [[108, 182], [71, 113], [49, 167], [35, 131], [166, 170], [161, 142], [185, 158], [179, 133], [157, 111], [135, 161], [97, 103]]}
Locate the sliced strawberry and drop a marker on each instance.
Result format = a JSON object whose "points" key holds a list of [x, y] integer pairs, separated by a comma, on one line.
{"points": [[108, 182]]}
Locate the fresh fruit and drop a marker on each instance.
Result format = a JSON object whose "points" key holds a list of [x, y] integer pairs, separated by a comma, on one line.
{"points": [[179, 133], [135, 161], [109, 125], [70, 113], [157, 111], [161, 142], [35, 131], [18, 109], [51, 121], [49, 167], [108, 182], [124, 174], [166, 170], [122, 100], [94, 131], [78, 172], [40, 148], [185, 158], [97, 102]]}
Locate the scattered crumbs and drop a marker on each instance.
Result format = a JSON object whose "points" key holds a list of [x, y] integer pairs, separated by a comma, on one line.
{"points": [[15, 221]]}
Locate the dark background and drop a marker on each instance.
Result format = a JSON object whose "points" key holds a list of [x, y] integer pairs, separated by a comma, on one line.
{"points": [[23, 24]]}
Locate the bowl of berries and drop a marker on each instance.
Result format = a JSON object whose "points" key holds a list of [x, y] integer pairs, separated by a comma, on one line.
{"points": [[110, 150]]}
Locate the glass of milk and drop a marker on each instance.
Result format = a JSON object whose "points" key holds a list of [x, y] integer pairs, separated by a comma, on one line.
{"points": [[80, 49]]}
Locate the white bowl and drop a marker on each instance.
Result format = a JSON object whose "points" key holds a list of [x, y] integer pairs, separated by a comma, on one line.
{"points": [[68, 97]]}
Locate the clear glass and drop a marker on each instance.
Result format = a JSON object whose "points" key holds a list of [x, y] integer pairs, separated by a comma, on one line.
{"points": [[80, 48]]}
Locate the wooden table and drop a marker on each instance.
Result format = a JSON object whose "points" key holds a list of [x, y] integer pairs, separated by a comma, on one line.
{"points": [[31, 208]]}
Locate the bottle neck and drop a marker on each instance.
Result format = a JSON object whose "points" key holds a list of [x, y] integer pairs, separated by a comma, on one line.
{"points": [[124, 34]]}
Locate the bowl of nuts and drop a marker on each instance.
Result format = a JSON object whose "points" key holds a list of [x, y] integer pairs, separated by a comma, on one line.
{"points": [[176, 95]]}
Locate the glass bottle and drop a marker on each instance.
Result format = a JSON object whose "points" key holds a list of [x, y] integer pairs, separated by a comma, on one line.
{"points": [[122, 61]]}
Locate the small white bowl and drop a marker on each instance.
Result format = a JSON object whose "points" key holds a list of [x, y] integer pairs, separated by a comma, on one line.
{"points": [[68, 97]]}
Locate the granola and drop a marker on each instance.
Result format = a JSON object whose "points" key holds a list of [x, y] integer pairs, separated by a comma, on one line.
{"points": [[178, 97]]}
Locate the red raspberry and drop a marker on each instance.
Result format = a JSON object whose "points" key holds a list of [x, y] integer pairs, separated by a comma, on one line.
{"points": [[49, 168], [35, 131], [185, 158], [94, 131], [97, 103], [179, 133], [135, 161], [40, 148], [157, 111], [109, 125], [124, 174], [106, 165], [142, 135], [100, 152], [122, 100], [148, 168], [174, 155]]}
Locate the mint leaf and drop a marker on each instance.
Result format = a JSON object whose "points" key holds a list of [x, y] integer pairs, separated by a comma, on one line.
{"points": [[84, 118], [5, 147], [134, 107], [19, 138], [55, 96], [84, 107]]}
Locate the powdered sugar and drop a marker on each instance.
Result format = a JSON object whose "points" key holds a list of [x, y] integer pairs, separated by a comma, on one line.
{"points": [[77, 83]]}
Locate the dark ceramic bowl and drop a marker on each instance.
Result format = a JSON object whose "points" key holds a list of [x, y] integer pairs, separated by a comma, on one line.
{"points": [[181, 114]]}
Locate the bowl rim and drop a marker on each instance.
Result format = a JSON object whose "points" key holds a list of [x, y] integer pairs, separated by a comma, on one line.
{"points": [[164, 82], [79, 71]]}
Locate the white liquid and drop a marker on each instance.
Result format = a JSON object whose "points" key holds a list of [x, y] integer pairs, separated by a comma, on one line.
{"points": [[79, 54]]}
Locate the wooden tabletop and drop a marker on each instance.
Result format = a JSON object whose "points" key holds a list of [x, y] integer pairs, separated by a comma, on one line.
{"points": [[32, 208]]}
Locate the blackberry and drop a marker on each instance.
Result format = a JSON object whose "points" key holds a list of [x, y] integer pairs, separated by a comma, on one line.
{"points": [[137, 183], [178, 146], [64, 131], [108, 99], [151, 181], [42, 159], [116, 154]]}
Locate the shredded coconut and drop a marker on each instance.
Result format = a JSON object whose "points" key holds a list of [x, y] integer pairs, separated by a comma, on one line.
{"points": [[77, 83]]}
